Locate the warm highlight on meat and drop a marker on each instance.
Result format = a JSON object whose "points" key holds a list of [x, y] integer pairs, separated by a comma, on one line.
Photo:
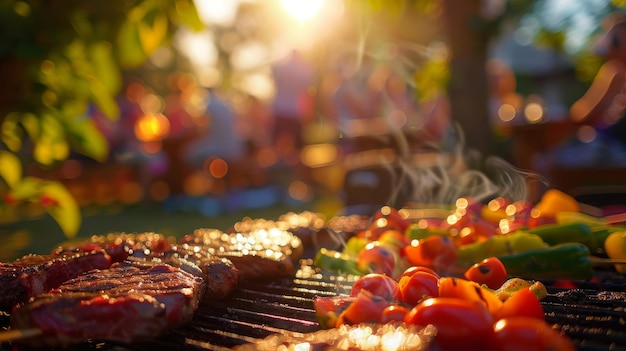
{"points": [[35, 274], [256, 254], [124, 303]]}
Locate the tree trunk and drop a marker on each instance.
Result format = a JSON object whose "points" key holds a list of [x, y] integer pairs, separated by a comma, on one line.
{"points": [[468, 90]]}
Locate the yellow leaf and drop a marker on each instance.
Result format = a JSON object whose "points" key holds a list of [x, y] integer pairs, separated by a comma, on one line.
{"points": [[185, 13], [64, 209], [11, 170], [10, 133], [152, 34]]}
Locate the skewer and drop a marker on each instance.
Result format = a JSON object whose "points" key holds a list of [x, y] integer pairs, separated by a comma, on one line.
{"points": [[596, 261], [19, 334]]}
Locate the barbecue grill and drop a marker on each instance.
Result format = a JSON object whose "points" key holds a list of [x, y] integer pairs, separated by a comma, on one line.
{"points": [[592, 314]]}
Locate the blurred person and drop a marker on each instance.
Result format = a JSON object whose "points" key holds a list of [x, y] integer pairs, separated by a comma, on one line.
{"points": [[218, 137], [293, 103], [600, 135], [604, 103]]}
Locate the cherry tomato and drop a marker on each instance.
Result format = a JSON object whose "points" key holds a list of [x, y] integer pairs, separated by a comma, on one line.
{"points": [[461, 324], [377, 284], [393, 313], [367, 308], [394, 218], [490, 272], [328, 308], [467, 290], [436, 252], [418, 287], [374, 258], [523, 303], [414, 269], [528, 334]]}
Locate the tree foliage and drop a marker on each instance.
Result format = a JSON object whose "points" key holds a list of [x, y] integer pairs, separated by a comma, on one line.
{"points": [[62, 58]]}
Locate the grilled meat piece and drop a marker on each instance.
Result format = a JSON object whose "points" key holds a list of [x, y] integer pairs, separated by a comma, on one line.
{"points": [[35, 274], [256, 254], [125, 303], [219, 274], [120, 246]]}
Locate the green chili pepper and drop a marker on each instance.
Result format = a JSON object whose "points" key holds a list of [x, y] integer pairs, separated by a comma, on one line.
{"points": [[562, 261], [335, 261], [498, 245], [591, 236]]}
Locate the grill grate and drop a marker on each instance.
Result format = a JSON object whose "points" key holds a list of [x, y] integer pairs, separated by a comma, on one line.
{"points": [[592, 314]]}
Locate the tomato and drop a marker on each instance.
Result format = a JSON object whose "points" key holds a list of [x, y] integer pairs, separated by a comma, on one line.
{"points": [[366, 308], [490, 272], [461, 324], [374, 258], [377, 284], [467, 290], [523, 303], [393, 313], [328, 308], [414, 269], [528, 334], [436, 252], [395, 219], [417, 287]]}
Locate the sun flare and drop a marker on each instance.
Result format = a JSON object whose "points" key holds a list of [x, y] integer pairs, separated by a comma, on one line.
{"points": [[302, 10]]}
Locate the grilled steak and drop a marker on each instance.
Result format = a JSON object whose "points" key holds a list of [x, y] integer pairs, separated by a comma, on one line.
{"points": [[256, 254], [220, 274], [120, 246], [35, 274], [124, 303]]}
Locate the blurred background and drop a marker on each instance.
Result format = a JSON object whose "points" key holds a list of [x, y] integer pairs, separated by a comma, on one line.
{"points": [[155, 115]]}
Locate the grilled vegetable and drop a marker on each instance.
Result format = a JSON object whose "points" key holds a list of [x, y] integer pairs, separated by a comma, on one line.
{"points": [[615, 246], [335, 261], [563, 261], [498, 245], [591, 236]]}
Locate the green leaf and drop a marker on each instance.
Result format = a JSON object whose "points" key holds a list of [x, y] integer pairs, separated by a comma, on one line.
{"points": [[130, 50], [26, 188], [88, 140], [65, 210], [103, 98], [11, 170], [104, 66]]}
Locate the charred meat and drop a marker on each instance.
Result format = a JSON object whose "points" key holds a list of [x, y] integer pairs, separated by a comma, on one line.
{"points": [[124, 303], [32, 275], [256, 254]]}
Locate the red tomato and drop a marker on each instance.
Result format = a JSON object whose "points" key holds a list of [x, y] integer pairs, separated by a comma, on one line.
{"points": [[461, 324], [523, 303], [374, 258], [490, 271], [414, 269], [377, 284], [394, 218], [528, 334], [393, 313], [436, 252], [417, 287], [367, 308], [467, 290]]}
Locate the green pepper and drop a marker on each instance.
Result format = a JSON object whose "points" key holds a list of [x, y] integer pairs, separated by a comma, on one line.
{"points": [[354, 245], [335, 261], [554, 234], [562, 261], [415, 231], [497, 245], [591, 236]]}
